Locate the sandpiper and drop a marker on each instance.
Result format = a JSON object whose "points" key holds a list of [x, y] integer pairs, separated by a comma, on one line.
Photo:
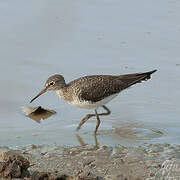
{"points": [[91, 92]]}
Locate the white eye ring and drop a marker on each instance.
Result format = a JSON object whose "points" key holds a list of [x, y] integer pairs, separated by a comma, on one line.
{"points": [[52, 83]]}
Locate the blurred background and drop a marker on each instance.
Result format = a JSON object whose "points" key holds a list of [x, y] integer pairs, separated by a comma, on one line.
{"points": [[77, 38]]}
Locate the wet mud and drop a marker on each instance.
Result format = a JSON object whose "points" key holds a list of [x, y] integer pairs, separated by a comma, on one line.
{"points": [[146, 162]]}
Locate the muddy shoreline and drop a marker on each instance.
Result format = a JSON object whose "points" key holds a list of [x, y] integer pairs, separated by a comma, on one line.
{"points": [[145, 162]]}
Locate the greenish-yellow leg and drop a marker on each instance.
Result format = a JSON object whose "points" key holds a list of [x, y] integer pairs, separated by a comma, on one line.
{"points": [[98, 121], [97, 116]]}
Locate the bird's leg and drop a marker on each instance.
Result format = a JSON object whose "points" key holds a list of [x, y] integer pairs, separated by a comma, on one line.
{"points": [[98, 121], [96, 141], [108, 112], [91, 115], [84, 120]]}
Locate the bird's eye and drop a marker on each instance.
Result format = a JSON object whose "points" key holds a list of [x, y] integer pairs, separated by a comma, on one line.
{"points": [[51, 83]]}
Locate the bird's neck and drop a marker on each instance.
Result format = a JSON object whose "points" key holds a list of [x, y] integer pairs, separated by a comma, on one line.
{"points": [[63, 94]]}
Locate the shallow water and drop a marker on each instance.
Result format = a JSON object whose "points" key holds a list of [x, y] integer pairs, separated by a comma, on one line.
{"points": [[77, 38]]}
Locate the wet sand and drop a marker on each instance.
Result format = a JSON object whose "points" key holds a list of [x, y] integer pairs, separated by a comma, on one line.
{"points": [[146, 162]]}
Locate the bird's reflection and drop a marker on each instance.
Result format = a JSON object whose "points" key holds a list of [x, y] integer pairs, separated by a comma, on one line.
{"points": [[83, 144], [38, 113]]}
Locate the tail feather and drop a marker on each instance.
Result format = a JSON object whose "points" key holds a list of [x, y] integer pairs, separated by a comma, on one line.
{"points": [[130, 79]]}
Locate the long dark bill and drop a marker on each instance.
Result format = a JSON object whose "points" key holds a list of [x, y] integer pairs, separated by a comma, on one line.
{"points": [[42, 92]]}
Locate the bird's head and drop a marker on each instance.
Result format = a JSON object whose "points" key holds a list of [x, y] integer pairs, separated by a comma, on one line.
{"points": [[54, 83]]}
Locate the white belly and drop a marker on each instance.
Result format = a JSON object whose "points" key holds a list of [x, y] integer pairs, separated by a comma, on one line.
{"points": [[90, 105]]}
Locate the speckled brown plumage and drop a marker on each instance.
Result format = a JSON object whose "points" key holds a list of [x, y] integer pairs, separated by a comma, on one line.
{"points": [[97, 87]]}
